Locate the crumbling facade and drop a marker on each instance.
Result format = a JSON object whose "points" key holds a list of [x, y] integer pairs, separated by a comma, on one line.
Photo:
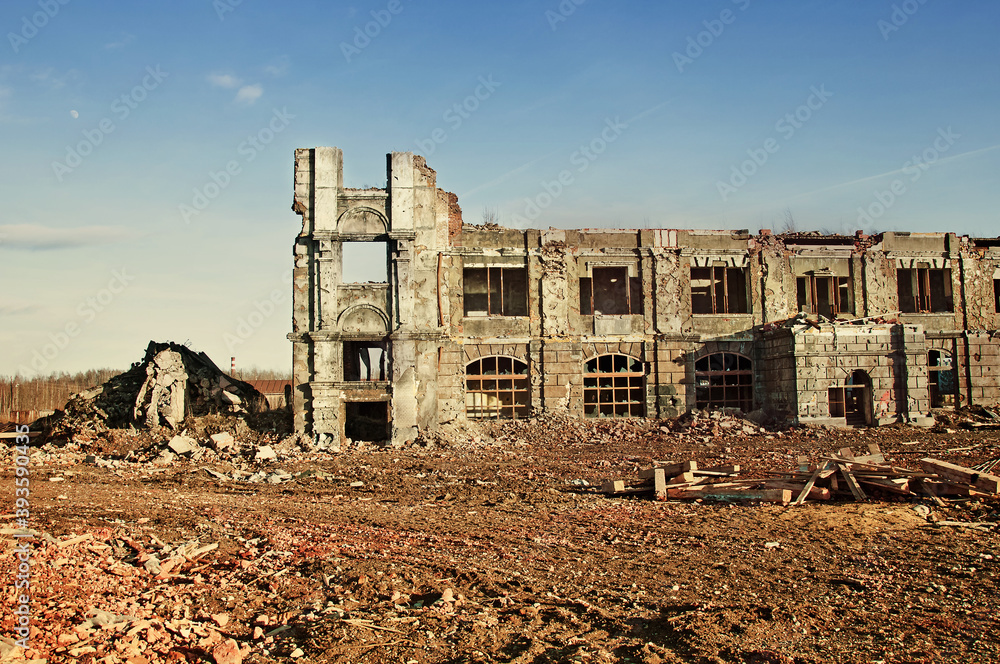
{"points": [[487, 322]]}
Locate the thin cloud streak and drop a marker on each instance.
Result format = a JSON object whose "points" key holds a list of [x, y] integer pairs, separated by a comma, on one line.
{"points": [[870, 178]]}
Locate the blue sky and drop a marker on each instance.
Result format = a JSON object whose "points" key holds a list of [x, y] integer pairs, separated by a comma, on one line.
{"points": [[718, 114]]}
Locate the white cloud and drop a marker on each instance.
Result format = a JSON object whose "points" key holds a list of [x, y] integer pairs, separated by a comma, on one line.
{"points": [[224, 80], [121, 43], [279, 67], [249, 94], [35, 237]]}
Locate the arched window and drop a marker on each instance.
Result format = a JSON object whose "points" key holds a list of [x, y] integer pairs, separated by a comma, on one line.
{"points": [[942, 378], [724, 380], [613, 387], [497, 388]]}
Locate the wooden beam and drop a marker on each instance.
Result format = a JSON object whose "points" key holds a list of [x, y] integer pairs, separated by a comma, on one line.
{"points": [[951, 471], [851, 482]]}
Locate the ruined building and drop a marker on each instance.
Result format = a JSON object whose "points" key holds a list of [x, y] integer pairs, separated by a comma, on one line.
{"points": [[486, 322]]}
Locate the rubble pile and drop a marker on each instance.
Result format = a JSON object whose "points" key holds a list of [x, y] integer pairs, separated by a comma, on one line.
{"points": [[171, 383]]}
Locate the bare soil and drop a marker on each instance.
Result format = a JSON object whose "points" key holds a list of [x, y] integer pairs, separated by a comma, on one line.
{"points": [[493, 544]]}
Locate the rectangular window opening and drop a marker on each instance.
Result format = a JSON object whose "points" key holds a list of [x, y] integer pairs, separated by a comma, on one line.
{"points": [[611, 292], [365, 263], [495, 291], [924, 290], [824, 295], [719, 290], [364, 361]]}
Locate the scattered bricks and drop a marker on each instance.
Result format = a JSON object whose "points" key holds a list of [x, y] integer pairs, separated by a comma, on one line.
{"points": [[265, 453], [228, 652], [182, 445], [222, 441]]}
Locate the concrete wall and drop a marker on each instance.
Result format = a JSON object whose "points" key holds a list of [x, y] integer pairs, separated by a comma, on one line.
{"points": [[420, 311]]}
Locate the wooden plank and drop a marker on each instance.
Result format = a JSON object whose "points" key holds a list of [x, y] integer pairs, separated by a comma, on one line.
{"points": [[815, 492], [847, 453], [613, 486], [876, 453], [683, 478], [808, 488], [951, 471], [766, 495], [852, 483], [11, 434], [729, 469], [669, 470], [931, 494], [900, 486], [659, 483]]}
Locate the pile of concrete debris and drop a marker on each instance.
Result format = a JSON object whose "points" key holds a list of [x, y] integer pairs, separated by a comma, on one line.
{"points": [[170, 383]]}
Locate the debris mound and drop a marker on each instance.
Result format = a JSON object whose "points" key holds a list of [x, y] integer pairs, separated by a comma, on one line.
{"points": [[171, 383]]}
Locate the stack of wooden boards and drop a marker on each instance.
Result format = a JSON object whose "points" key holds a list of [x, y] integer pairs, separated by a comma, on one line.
{"points": [[836, 475]]}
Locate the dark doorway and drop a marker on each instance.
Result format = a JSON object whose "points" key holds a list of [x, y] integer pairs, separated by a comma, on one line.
{"points": [[367, 421], [857, 397]]}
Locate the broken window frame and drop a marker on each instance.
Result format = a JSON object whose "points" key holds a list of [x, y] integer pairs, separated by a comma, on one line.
{"points": [[941, 371], [353, 364], [509, 297], [628, 303], [614, 385], [919, 292], [497, 388], [724, 294], [837, 291], [724, 380]]}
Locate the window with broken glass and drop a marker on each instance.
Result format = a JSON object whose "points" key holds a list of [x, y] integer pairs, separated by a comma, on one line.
{"points": [[719, 290], [497, 388], [924, 290], [610, 291], [613, 386], [495, 291], [724, 380], [825, 295]]}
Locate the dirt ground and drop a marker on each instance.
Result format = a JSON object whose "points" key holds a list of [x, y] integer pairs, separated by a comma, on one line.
{"points": [[493, 544]]}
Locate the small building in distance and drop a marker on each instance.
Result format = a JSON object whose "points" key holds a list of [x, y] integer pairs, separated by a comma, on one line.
{"points": [[488, 322]]}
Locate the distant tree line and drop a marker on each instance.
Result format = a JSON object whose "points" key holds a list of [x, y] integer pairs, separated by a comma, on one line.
{"points": [[51, 392]]}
